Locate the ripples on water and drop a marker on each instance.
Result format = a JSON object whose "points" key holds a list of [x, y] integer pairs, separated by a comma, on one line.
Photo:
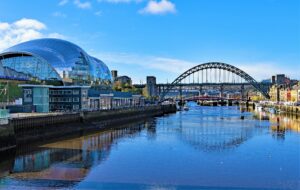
{"points": [[204, 148]]}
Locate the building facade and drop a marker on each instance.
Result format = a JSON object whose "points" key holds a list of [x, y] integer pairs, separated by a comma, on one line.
{"points": [[36, 96], [68, 98], [102, 100], [282, 93], [280, 79], [47, 98], [274, 93], [294, 95], [114, 74], [151, 86], [122, 80]]}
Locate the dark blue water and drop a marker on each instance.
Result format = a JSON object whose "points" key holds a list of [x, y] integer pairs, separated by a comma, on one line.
{"points": [[203, 148]]}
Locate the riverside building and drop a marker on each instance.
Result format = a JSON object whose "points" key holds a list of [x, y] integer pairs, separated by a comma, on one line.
{"points": [[54, 62], [47, 98]]}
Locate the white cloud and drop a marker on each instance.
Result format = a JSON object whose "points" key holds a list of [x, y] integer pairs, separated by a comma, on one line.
{"points": [[59, 14], [264, 70], [29, 24], [174, 67], [150, 62], [63, 2], [22, 30], [159, 7], [150, 65], [83, 5], [98, 13], [56, 35], [4, 25]]}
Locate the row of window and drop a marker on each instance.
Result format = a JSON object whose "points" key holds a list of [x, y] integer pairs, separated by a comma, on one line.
{"points": [[64, 107], [64, 92], [53, 100]]}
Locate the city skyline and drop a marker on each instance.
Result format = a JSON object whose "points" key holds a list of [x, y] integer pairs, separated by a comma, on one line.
{"points": [[165, 38]]}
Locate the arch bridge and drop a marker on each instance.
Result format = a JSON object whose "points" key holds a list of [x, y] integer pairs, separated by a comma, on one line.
{"points": [[213, 74]]}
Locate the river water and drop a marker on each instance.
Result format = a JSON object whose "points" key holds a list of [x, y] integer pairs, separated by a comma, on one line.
{"points": [[203, 148]]}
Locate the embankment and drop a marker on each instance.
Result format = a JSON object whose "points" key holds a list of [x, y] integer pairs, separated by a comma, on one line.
{"points": [[39, 128]]}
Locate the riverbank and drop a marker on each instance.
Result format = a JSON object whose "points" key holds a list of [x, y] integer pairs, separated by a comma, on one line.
{"points": [[284, 109], [295, 110], [38, 128]]}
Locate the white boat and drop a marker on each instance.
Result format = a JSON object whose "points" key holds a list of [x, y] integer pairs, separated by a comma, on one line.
{"points": [[258, 107], [185, 108], [272, 110]]}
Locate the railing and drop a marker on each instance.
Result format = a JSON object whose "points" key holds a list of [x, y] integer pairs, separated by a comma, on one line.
{"points": [[121, 108]]}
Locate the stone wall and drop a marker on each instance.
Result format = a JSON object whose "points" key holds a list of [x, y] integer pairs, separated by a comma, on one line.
{"points": [[39, 128], [7, 137]]}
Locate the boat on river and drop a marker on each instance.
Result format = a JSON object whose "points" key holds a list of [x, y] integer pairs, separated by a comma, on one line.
{"points": [[186, 108]]}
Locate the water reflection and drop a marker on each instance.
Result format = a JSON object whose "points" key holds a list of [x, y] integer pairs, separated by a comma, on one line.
{"points": [[203, 147], [217, 128], [6, 165], [280, 124], [151, 129], [216, 138], [68, 160]]}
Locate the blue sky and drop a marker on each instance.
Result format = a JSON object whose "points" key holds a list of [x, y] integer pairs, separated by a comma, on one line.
{"points": [[165, 37]]}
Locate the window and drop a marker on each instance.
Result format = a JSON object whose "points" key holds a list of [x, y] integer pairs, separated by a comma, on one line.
{"points": [[75, 92], [27, 95], [68, 92], [76, 99], [27, 91], [75, 107], [84, 92]]}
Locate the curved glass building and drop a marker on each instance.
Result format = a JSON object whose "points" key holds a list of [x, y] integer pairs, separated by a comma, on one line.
{"points": [[55, 61]]}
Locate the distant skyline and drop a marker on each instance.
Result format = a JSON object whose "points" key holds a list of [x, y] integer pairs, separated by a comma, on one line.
{"points": [[164, 38]]}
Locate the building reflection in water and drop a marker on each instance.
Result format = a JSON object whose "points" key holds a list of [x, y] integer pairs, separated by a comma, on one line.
{"points": [[280, 124], [151, 129], [6, 165], [68, 160]]}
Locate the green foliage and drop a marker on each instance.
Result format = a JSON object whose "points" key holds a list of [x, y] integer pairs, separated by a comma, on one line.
{"points": [[126, 88], [145, 92], [12, 93]]}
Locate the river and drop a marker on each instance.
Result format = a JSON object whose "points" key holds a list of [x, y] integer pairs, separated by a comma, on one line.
{"points": [[211, 148]]}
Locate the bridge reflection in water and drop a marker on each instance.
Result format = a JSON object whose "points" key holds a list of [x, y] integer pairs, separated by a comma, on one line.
{"points": [[215, 131], [218, 132]]}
